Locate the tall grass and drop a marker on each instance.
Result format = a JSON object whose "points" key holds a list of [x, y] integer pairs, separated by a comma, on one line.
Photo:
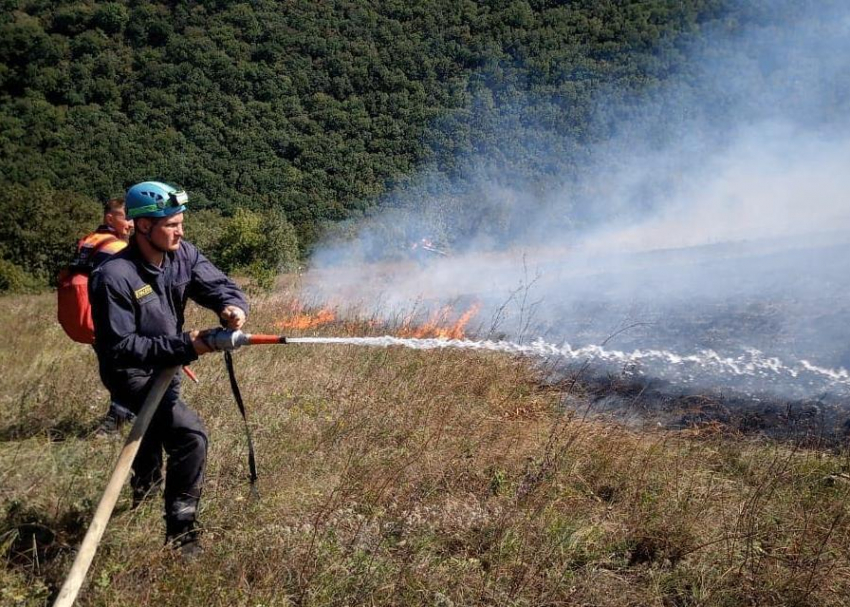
{"points": [[399, 477]]}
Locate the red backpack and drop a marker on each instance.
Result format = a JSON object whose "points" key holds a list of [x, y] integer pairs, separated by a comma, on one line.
{"points": [[74, 310]]}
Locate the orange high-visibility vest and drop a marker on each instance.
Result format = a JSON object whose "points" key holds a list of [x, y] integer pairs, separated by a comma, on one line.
{"points": [[94, 244], [74, 309]]}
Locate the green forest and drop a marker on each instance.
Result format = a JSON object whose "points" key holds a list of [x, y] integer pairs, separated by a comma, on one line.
{"points": [[304, 114]]}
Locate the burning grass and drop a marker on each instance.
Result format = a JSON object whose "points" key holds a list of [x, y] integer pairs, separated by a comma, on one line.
{"points": [[443, 322], [400, 477]]}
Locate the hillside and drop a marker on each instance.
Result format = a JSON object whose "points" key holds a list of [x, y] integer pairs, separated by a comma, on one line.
{"points": [[398, 477], [318, 110]]}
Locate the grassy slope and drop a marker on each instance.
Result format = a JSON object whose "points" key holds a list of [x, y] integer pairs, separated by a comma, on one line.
{"points": [[403, 477]]}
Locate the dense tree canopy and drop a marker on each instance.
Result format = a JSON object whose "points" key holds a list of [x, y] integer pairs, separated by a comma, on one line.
{"points": [[316, 109]]}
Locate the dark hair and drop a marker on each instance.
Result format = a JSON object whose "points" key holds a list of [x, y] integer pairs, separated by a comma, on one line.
{"points": [[113, 204]]}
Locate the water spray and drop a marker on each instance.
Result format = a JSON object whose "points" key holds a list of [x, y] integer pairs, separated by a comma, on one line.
{"points": [[752, 363]]}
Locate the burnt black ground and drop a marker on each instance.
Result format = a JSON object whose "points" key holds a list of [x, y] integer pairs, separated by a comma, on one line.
{"points": [[786, 300], [646, 402], [789, 300]]}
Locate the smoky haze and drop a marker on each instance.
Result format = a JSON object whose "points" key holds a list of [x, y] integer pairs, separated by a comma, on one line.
{"points": [[713, 216]]}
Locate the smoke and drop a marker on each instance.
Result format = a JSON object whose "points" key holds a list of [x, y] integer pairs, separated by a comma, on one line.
{"points": [[711, 214]]}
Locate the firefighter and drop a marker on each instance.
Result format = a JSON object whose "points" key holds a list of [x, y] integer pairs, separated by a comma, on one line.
{"points": [[110, 237], [138, 299], [73, 304]]}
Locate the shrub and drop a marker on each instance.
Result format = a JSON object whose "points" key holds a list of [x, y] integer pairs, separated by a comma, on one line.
{"points": [[14, 280], [204, 229], [40, 228], [261, 244]]}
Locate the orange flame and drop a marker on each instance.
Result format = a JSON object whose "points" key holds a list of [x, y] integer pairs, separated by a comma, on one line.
{"points": [[298, 319], [438, 324]]}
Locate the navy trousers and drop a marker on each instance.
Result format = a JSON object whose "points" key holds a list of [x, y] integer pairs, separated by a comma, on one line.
{"points": [[177, 431]]}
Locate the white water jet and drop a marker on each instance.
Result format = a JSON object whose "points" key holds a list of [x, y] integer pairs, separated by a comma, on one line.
{"points": [[753, 363]]}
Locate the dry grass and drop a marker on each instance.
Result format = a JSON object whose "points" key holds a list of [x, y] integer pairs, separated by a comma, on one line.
{"points": [[399, 477]]}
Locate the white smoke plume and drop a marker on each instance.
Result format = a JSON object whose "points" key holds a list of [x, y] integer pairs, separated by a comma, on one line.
{"points": [[716, 216]]}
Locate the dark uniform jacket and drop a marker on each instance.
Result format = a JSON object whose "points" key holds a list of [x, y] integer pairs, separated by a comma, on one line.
{"points": [[137, 310]]}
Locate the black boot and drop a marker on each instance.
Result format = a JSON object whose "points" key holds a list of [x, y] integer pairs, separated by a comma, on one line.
{"points": [[146, 484], [115, 418], [141, 493], [109, 426], [185, 537]]}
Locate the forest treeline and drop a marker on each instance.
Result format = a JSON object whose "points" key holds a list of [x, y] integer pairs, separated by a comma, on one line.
{"points": [[298, 113]]}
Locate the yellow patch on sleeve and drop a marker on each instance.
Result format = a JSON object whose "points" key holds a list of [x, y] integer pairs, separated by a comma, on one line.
{"points": [[145, 290]]}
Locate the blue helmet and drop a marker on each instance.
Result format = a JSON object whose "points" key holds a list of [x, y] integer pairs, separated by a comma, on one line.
{"points": [[154, 199]]}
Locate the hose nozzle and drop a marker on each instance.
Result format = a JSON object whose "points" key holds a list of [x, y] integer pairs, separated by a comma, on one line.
{"points": [[226, 339]]}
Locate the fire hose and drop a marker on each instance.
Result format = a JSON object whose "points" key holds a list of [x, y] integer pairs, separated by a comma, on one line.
{"points": [[217, 339], [84, 557]]}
